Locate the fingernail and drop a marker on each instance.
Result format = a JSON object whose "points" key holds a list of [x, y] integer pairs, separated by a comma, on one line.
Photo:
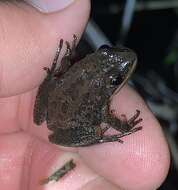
{"points": [[48, 6]]}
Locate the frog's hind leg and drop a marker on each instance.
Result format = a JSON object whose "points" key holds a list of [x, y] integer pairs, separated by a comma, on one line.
{"points": [[51, 72], [107, 138], [113, 138], [40, 108], [66, 61]]}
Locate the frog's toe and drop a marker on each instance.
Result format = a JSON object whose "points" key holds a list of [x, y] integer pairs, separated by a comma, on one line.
{"points": [[134, 120]]}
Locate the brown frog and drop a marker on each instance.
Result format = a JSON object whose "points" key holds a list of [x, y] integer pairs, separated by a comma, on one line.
{"points": [[75, 99]]}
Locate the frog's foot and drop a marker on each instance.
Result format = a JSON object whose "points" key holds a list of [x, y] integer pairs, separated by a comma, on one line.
{"points": [[71, 48], [51, 71], [67, 59], [133, 121]]}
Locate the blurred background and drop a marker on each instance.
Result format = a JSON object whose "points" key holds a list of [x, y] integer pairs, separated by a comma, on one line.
{"points": [[150, 28]]}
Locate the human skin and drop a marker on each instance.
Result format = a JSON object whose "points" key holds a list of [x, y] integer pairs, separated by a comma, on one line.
{"points": [[28, 43]]}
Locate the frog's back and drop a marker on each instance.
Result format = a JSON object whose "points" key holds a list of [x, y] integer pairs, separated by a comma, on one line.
{"points": [[74, 100]]}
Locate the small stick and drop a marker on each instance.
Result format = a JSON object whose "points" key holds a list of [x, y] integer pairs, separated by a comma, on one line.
{"points": [[68, 166]]}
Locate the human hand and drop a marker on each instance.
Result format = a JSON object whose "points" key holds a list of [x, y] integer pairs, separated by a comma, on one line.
{"points": [[28, 43]]}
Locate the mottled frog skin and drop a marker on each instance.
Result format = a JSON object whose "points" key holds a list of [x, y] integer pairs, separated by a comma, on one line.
{"points": [[74, 99]]}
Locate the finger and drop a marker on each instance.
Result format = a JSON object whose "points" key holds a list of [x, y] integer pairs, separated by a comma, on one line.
{"points": [[142, 161], [99, 183], [49, 6], [29, 39], [26, 161]]}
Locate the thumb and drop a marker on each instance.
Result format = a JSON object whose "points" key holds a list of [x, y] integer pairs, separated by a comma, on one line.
{"points": [[29, 39], [48, 5]]}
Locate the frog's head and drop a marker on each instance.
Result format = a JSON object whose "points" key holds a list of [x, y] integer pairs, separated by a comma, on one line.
{"points": [[117, 63]]}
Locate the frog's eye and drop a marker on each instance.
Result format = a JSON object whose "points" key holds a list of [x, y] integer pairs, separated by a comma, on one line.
{"points": [[104, 47], [115, 81]]}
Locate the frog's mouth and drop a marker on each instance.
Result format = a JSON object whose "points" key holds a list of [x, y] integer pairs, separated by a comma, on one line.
{"points": [[127, 76]]}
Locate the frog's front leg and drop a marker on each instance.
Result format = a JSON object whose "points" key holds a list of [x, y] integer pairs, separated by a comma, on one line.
{"points": [[123, 125]]}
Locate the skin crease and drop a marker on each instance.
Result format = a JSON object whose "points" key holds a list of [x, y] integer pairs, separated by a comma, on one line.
{"points": [[142, 162]]}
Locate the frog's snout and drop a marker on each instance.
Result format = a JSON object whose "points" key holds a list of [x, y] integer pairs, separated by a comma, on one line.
{"points": [[105, 46], [119, 54]]}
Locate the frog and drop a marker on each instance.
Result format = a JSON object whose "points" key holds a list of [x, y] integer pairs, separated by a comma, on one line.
{"points": [[74, 99]]}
